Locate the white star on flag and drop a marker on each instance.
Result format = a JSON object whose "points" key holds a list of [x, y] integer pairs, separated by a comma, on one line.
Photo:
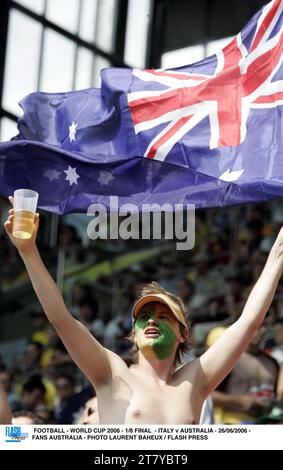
{"points": [[52, 174], [105, 177], [72, 175], [72, 131], [229, 175]]}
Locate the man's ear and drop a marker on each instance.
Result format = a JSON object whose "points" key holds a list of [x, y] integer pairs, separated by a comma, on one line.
{"points": [[184, 335]]}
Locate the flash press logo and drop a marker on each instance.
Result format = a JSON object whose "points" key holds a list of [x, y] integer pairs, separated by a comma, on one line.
{"points": [[15, 434]]}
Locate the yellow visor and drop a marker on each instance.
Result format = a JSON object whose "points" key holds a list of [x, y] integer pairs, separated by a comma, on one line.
{"points": [[164, 299]]}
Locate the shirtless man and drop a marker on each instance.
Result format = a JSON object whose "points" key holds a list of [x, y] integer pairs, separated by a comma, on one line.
{"points": [[152, 391], [248, 392]]}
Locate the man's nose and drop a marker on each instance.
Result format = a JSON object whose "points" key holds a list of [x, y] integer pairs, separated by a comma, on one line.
{"points": [[152, 321]]}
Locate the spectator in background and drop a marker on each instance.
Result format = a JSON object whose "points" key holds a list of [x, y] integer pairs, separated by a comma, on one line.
{"points": [[6, 381], [185, 290], [89, 315], [19, 417], [69, 402], [26, 417], [277, 350], [89, 414], [249, 390], [257, 263], [217, 248], [269, 238], [68, 238], [255, 229], [69, 243], [277, 353], [167, 273], [39, 324], [81, 293], [44, 413], [33, 393], [54, 353], [32, 358]]}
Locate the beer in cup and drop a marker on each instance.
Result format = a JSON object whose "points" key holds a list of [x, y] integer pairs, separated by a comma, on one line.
{"points": [[25, 202]]}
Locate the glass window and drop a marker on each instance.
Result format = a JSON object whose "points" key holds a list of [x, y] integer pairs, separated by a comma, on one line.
{"points": [[215, 46], [8, 129], [106, 25], [88, 20], [35, 5], [99, 64], [21, 67], [58, 63], [84, 69], [137, 31], [64, 13], [181, 57]]}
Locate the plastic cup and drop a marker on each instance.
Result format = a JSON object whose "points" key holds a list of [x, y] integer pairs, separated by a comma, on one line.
{"points": [[25, 202]]}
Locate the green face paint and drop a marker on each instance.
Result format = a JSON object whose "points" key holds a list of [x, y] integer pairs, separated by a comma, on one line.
{"points": [[163, 345]]}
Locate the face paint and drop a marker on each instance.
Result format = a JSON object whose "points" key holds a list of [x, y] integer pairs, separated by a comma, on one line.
{"points": [[163, 345]]}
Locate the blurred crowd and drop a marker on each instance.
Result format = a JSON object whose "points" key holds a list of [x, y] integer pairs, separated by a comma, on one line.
{"points": [[214, 280]]}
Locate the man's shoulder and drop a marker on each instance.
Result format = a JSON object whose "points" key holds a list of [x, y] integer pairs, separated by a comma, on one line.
{"points": [[187, 370]]}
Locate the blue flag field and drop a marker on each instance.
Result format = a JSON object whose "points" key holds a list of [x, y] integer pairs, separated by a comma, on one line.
{"points": [[208, 134]]}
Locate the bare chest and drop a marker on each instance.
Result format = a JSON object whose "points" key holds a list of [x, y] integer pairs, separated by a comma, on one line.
{"points": [[136, 401]]}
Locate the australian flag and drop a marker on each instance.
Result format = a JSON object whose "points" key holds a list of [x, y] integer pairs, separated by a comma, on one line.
{"points": [[208, 134]]}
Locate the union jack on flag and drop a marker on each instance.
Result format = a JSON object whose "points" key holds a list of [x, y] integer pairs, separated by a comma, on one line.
{"points": [[224, 88], [209, 134]]}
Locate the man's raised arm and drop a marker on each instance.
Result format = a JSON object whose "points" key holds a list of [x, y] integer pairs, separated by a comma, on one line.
{"points": [[221, 357], [91, 357]]}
